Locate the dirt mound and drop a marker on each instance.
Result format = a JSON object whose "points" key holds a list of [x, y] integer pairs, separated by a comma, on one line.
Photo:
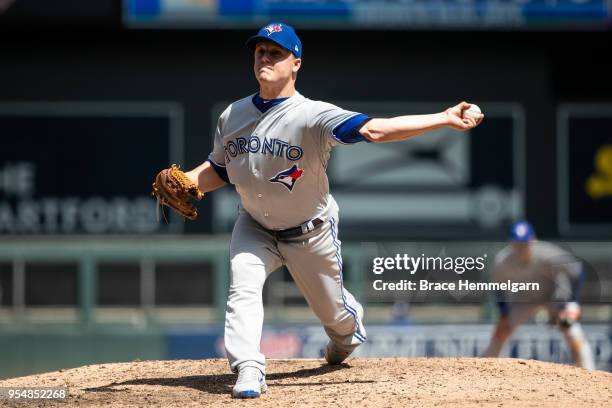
{"points": [[362, 382]]}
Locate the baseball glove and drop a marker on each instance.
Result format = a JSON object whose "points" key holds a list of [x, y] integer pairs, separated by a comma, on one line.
{"points": [[174, 189]]}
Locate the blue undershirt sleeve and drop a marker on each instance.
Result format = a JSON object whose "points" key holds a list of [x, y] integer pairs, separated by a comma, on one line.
{"points": [[577, 283], [347, 132], [220, 170]]}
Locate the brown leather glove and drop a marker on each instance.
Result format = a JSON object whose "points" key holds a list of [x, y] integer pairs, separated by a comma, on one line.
{"points": [[174, 189]]}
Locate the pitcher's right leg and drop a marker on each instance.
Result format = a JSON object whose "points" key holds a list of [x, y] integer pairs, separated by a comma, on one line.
{"points": [[253, 256]]}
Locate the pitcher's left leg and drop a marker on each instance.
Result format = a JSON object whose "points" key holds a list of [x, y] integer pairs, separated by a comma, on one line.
{"points": [[315, 263]]}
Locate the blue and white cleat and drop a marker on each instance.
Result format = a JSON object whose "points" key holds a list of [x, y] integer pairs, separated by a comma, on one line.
{"points": [[251, 383]]}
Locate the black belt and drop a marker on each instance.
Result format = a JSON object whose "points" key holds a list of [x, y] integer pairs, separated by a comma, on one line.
{"points": [[305, 228]]}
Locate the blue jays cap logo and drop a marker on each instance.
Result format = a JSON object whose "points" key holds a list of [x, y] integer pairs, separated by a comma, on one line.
{"points": [[273, 28], [521, 231], [288, 177], [282, 34]]}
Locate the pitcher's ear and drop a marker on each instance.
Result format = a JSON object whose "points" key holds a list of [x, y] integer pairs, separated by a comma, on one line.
{"points": [[297, 64]]}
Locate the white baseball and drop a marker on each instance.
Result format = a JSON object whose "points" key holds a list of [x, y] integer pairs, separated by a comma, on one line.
{"points": [[473, 112]]}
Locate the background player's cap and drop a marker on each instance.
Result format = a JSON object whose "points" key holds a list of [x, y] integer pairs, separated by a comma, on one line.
{"points": [[280, 33], [521, 231]]}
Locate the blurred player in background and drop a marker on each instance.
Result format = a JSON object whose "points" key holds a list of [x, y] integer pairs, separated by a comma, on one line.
{"points": [[560, 276]]}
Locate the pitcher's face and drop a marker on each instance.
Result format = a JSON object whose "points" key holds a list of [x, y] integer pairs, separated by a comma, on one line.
{"points": [[274, 63]]}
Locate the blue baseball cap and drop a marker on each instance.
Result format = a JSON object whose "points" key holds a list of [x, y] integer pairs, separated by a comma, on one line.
{"points": [[279, 33], [521, 231]]}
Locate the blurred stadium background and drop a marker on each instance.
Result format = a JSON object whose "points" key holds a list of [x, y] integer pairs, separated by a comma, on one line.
{"points": [[96, 97]]}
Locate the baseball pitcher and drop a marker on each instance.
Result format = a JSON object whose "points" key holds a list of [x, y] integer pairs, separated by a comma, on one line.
{"points": [[273, 147]]}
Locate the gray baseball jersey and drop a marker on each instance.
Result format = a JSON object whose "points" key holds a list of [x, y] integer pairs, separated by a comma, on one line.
{"points": [[277, 159], [558, 273], [275, 153]]}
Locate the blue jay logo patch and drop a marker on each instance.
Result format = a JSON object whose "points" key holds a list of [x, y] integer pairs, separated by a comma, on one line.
{"points": [[273, 28], [288, 177]]}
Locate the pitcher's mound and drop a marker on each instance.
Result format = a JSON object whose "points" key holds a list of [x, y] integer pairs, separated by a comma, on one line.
{"points": [[362, 382]]}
